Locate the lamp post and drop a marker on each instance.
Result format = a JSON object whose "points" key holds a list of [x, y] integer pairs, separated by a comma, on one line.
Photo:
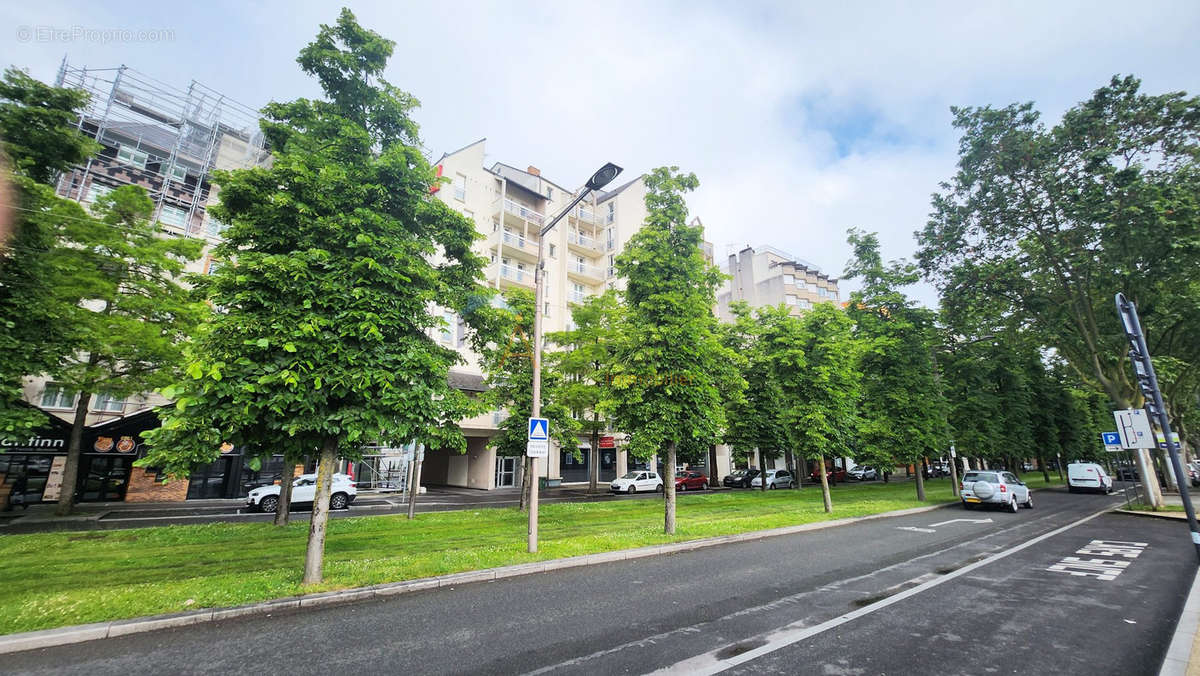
{"points": [[603, 176]]}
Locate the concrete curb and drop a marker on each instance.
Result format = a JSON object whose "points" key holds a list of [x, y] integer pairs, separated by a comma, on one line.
{"points": [[1185, 643], [48, 638], [1173, 516]]}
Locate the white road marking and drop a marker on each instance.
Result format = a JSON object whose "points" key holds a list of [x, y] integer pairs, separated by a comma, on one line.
{"points": [[1106, 569], [710, 663], [916, 529], [943, 523]]}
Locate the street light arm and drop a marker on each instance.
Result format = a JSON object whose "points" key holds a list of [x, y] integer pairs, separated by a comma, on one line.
{"points": [[554, 221]]}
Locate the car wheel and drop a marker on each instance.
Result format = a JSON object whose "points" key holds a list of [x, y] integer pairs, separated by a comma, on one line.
{"points": [[339, 501], [1029, 501], [632, 489], [269, 504], [771, 487], [681, 487], [1013, 506], [1070, 489], [968, 505], [658, 488]]}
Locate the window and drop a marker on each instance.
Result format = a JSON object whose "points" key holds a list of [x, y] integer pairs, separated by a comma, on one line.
{"points": [[612, 265], [448, 329], [96, 191], [789, 279], [469, 214], [791, 299], [177, 173], [173, 216], [460, 187], [56, 396], [133, 156], [805, 304], [549, 193], [215, 227], [552, 250], [212, 267], [107, 403], [546, 310], [612, 215], [821, 291], [833, 294]]}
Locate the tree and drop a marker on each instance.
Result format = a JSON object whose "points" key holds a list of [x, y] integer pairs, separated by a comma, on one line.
{"points": [[671, 369], [509, 367], [585, 366], [904, 412], [132, 313], [337, 261], [815, 358], [755, 416], [39, 135]]}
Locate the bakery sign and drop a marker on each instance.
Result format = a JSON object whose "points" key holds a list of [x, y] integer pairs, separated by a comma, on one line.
{"points": [[106, 444]]}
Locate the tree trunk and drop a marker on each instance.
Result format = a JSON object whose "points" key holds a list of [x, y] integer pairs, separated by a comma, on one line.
{"points": [[920, 486], [763, 461], [314, 557], [1042, 466], [66, 495], [415, 489], [283, 511], [824, 483], [594, 456], [712, 466], [669, 492]]}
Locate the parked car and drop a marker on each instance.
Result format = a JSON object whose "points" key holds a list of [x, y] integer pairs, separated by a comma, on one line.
{"points": [[1127, 473], [776, 478], [937, 469], [638, 480], [1193, 470], [1088, 476], [863, 473], [690, 481], [304, 490], [1027, 467], [835, 474], [1000, 488], [740, 478]]}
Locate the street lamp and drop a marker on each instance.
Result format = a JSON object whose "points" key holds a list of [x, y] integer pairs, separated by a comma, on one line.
{"points": [[603, 176]]}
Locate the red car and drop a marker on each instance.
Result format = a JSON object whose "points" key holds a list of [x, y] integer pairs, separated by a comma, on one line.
{"points": [[690, 481], [835, 475]]}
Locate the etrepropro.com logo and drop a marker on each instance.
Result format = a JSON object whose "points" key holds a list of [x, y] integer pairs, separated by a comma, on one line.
{"points": [[43, 33]]}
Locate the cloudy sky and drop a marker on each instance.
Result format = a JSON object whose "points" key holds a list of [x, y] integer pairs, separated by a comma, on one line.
{"points": [[801, 119]]}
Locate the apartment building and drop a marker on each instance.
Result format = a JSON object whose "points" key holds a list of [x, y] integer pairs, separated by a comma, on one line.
{"points": [[509, 207], [767, 276]]}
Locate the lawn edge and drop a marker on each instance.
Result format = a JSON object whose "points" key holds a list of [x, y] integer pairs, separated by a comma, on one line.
{"points": [[47, 638]]}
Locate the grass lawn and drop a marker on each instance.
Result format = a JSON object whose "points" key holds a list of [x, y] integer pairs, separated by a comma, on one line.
{"points": [[57, 579]]}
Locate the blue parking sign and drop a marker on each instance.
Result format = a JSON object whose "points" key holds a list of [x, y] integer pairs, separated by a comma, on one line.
{"points": [[1111, 438]]}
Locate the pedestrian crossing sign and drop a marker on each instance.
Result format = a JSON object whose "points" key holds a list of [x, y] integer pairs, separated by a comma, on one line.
{"points": [[539, 429]]}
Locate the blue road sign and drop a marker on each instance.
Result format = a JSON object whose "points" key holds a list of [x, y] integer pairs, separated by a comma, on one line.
{"points": [[539, 429], [1111, 438]]}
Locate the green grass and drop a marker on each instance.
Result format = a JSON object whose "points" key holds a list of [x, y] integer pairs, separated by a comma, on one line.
{"points": [[1142, 507], [57, 579]]}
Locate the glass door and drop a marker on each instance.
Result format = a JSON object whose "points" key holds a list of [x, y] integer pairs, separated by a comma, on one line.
{"points": [[506, 471]]}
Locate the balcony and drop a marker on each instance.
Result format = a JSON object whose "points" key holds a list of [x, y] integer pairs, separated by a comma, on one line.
{"points": [[585, 216], [519, 214], [511, 275], [584, 272], [516, 245], [574, 296], [581, 243]]}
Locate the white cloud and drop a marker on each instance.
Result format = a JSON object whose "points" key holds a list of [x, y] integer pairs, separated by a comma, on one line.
{"points": [[747, 95]]}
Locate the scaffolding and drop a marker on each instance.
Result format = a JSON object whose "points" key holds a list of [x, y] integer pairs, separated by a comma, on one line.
{"points": [[165, 139]]}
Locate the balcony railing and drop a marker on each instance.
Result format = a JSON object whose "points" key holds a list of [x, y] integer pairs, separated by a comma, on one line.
{"points": [[587, 216], [576, 296], [584, 269], [518, 241], [522, 211], [516, 274], [583, 240]]}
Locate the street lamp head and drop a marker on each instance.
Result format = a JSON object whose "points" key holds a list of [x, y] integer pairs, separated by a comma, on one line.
{"points": [[603, 176]]}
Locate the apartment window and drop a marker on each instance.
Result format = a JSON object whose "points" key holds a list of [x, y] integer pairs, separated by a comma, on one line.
{"points": [[448, 329], [789, 279], [493, 258], [549, 193], [612, 265], [132, 156], [833, 294], [612, 214], [96, 191], [546, 309], [57, 396], [173, 216], [552, 251], [495, 226], [805, 304], [178, 173], [460, 187], [791, 300], [215, 227], [821, 292], [612, 243], [107, 403], [211, 267]]}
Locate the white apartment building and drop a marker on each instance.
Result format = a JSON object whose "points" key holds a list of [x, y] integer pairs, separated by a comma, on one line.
{"points": [[509, 207], [765, 276]]}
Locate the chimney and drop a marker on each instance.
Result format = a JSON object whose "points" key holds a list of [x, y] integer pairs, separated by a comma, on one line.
{"points": [[534, 170]]}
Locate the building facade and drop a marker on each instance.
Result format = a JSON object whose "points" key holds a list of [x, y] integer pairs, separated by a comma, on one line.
{"points": [[766, 276]]}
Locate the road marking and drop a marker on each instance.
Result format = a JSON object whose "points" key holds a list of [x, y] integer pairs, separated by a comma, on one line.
{"points": [[712, 662], [916, 529], [1106, 569], [943, 523]]}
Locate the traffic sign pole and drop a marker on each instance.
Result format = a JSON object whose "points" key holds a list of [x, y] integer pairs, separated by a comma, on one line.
{"points": [[1144, 369]]}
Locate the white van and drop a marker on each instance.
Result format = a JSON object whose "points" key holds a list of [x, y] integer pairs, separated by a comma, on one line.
{"points": [[1088, 476]]}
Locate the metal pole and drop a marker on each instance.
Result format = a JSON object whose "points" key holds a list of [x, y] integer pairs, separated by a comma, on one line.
{"points": [[1127, 309], [953, 470]]}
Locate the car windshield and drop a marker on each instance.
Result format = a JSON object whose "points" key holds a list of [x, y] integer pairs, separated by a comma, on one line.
{"points": [[738, 472], [989, 477], [631, 475], [681, 475]]}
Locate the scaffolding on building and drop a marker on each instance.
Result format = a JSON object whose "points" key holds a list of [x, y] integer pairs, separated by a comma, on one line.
{"points": [[165, 139]]}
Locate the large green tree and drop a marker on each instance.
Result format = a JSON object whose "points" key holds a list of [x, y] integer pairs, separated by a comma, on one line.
{"points": [[903, 409], [815, 359], [338, 262], [671, 368], [39, 135], [585, 365]]}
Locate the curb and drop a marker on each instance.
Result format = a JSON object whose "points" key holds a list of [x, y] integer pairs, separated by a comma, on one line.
{"points": [[47, 638], [1173, 516], [1185, 648]]}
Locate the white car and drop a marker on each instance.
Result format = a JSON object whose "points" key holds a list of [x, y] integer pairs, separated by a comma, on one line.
{"points": [[304, 489], [996, 487], [776, 478], [640, 480], [1088, 476]]}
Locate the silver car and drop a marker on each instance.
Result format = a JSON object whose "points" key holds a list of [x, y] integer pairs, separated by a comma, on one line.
{"points": [[995, 487], [776, 478]]}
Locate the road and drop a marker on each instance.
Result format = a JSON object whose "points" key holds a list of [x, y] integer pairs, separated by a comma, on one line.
{"points": [[968, 592]]}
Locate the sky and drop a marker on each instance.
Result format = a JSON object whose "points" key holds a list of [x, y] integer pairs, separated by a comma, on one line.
{"points": [[801, 119]]}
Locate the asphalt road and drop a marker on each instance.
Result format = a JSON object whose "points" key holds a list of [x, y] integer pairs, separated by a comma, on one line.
{"points": [[932, 600]]}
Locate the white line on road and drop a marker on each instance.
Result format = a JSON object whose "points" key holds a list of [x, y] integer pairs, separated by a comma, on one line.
{"points": [[943, 523], [916, 529], [710, 663]]}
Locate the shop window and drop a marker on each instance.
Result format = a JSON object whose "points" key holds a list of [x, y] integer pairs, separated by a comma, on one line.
{"points": [[57, 396]]}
